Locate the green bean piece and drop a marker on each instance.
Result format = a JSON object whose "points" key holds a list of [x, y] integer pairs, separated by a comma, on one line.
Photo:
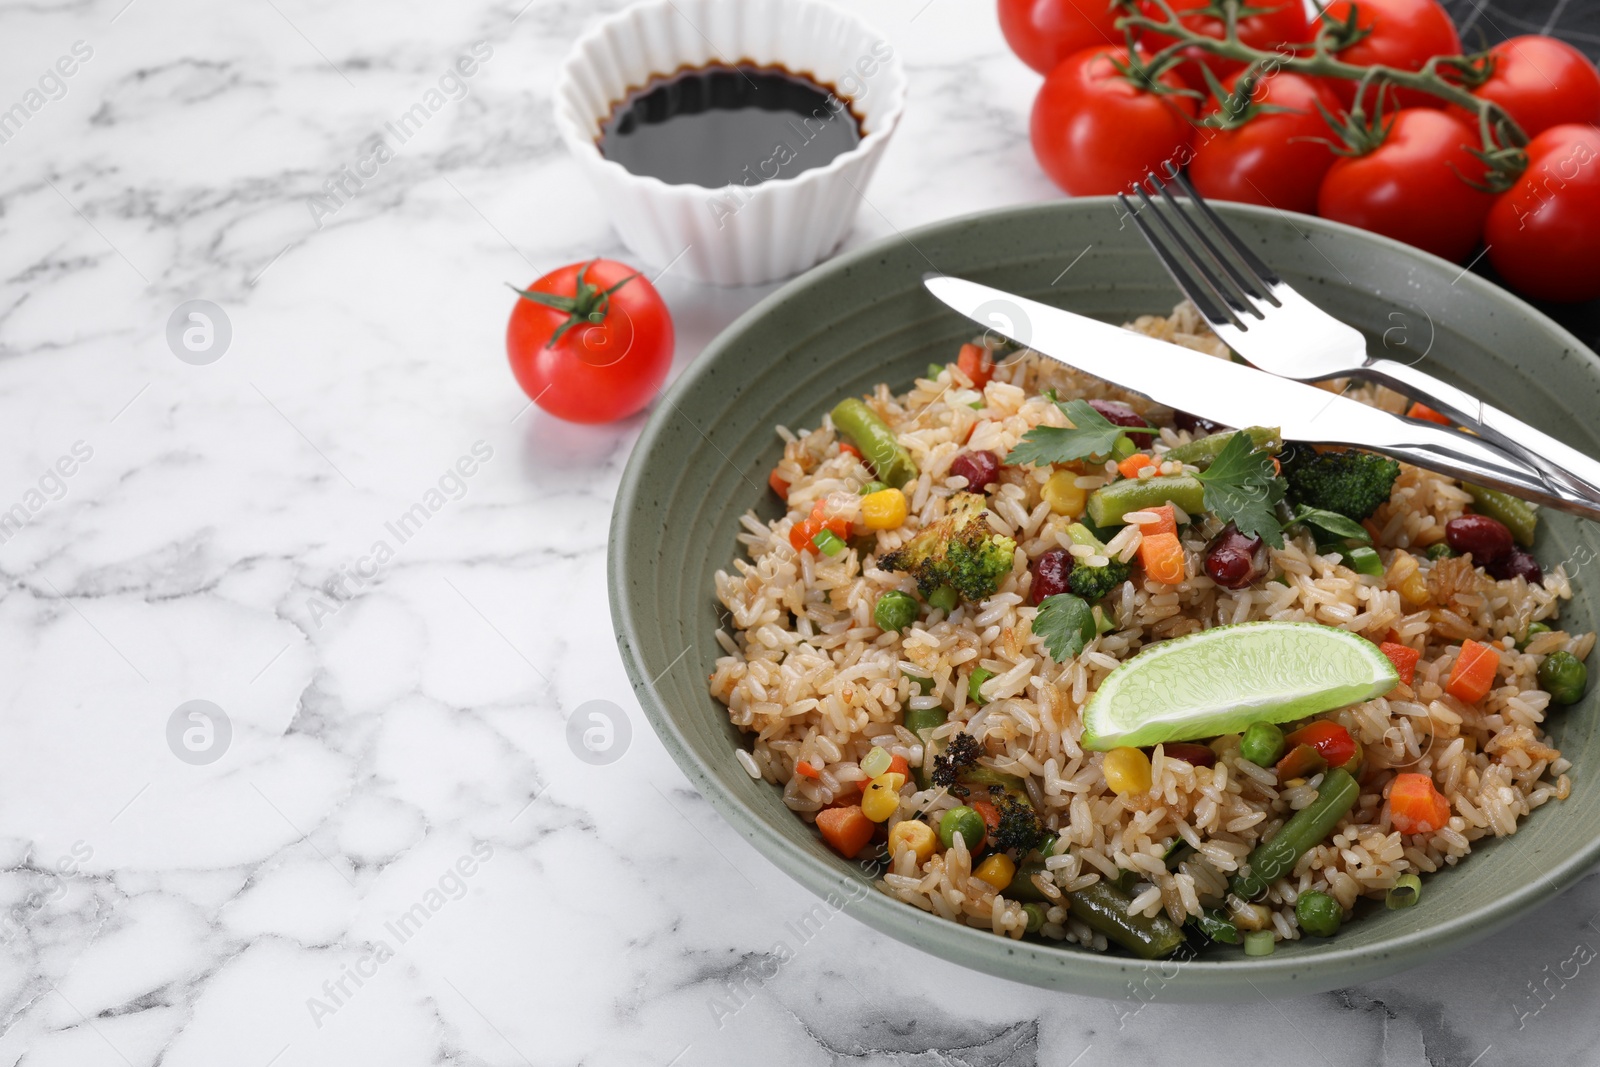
{"points": [[872, 487], [895, 610], [1260, 943], [975, 682], [1404, 893], [935, 369], [828, 543], [1109, 503], [1518, 515], [945, 598], [1363, 559], [983, 777], [1319, 914], [892, 464], [1309, 827], [1440, 550], [1201, 453], [1262, 744], [1564, 677], [1035, 914], [963, 821], [1215, 924], [922, 721], [1103, 908], [1534, 630]]}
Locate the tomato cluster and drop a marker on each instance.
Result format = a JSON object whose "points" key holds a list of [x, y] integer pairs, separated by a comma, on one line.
{"points": [[1399, 161]]}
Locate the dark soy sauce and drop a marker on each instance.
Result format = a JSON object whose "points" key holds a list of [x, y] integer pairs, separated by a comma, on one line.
{"points": [[720, 125]]}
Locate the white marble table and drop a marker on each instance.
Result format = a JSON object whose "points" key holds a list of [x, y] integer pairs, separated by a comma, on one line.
{"points": [[392, 856]]}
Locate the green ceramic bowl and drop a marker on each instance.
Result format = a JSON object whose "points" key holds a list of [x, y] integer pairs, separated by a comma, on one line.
{"points": [[863, 318]]}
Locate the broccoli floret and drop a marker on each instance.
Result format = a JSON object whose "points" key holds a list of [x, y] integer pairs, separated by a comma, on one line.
{"points": [[1093, 583], [1344, 480], [1019, 826], [961, 551], [960, 754]]}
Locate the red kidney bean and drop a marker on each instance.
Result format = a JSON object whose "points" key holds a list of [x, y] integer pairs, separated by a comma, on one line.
{"points": [[1050, 573], [1192, 754], [1233, 560], [979, 468], [1487, 539], [1194, 424], [1514, 564], [1120, 414]]}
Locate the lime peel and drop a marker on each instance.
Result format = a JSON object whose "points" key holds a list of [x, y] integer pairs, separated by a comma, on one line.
{"points": [[1221, 680]]}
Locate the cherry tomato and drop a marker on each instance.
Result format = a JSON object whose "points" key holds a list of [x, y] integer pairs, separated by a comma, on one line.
{"points": [[1330, 740], [1276, 22], [1094, 131], [590, 342], [1403, 33], [1544, 232], [1542, 82], [1044, 32], [1413, 187], [1277, 158]]}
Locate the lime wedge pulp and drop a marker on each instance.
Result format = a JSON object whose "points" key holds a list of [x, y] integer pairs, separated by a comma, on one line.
{"points": [[1221, 680]]}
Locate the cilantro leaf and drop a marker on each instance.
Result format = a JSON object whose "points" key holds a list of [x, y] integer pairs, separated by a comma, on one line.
{"points": [[1242, 487], [1331, 522], [1090, 435], [1065, 623]]}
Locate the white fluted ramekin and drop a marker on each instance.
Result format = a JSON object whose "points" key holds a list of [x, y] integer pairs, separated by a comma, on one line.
{"points": [[739, 234]]}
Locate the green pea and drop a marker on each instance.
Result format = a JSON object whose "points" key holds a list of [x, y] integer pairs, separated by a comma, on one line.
{"points": [[975, 682], [963, 821], [945, 598], [1319, 914], [872, 487], [1564, 677], [1440, 550], [1534, 630], [1262, 744], [895, 610], [1035, 914]]}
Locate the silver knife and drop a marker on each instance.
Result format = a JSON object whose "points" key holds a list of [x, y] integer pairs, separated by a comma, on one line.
{"points": [[1237, 395]]}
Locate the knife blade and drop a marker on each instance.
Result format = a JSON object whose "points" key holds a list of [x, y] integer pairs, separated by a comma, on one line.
{"points": [[1234, 394]]}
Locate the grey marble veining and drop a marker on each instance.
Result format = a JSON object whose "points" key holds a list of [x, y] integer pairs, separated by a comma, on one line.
{"points": [[397, 859]]}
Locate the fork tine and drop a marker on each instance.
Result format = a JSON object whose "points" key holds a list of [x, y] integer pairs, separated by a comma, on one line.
{"points": [[1237, 300], [1251, 260], [1253, 291], [1198, 292]]}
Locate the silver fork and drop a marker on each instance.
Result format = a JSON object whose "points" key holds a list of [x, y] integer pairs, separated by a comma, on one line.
{"points": [[1277, 329]]}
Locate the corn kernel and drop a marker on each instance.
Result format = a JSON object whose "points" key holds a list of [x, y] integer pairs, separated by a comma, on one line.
{"points": [[882, 797], [1064, 495], [1127, 770], [1414, 590], [997, 870], [884, 510], [1405, 577], [913, 834]]}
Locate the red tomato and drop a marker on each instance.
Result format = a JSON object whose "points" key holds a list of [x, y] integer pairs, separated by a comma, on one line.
{"points": [[1277, 22], [1542, 82], [584, 370], [1404, 34], [1413, 187], [1331, 741], [1544, 232], [1044, 32], [1277, 158], [1096, 132]]}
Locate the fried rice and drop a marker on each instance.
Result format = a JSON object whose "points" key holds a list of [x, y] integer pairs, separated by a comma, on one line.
{"points": [[810, 677]]}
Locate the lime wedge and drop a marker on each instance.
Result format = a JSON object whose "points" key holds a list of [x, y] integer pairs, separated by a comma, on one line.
{"points": [[1221, 680]]}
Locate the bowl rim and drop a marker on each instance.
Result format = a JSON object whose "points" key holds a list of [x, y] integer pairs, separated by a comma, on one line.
{"points": [[587, 150], [1031, 962]]}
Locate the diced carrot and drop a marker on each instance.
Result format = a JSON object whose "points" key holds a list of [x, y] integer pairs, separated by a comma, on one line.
{"points": [[847, 829], [1135, 463], [806, 769], [1416, 806], [1372, 530], [975, 363], [820, 521], [801, 533], [1166, 521], [1301, 761], [779, 486], [1162, 556], [846, 446], [1404, 659], [1423, 411], [898, 765], [991, 816], [1277, 468], [1473, 675]]}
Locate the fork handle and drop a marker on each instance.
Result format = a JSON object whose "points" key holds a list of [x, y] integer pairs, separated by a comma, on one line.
{"points": [[1558, 462]]}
